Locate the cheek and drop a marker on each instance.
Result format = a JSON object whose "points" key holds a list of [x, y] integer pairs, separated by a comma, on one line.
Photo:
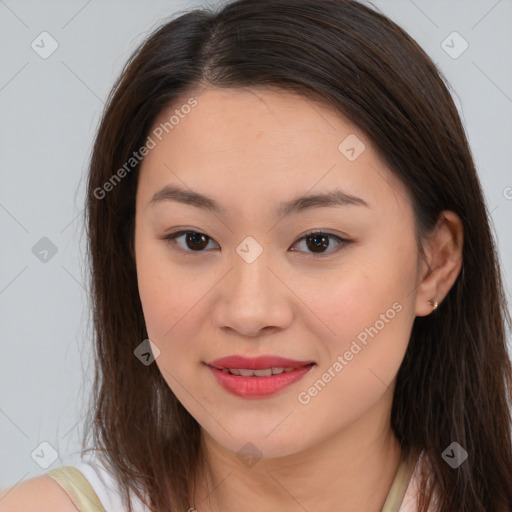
{"points": [[372, 329], [369, 308], [167, 306], [167, 293]]}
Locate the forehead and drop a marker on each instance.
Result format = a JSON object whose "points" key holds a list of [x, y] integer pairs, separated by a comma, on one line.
{"points": [[224, 117], [262, 142]]}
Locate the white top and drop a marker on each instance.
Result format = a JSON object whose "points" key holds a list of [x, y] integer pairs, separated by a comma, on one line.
{"points": [[105, 485], [409, 501], [109, 494]]}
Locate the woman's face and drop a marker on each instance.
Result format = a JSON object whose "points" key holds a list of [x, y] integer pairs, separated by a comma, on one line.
{"points": [[245, 281]]}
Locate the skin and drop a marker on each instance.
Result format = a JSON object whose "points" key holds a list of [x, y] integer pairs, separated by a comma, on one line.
{"points": [[251, 149]]}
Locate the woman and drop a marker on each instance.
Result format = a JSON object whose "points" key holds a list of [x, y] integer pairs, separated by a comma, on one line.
{"points": [[282, 199]]}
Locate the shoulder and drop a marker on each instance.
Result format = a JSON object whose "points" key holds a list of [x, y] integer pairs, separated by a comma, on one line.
{"points": [[45, 493], [38, 494]]}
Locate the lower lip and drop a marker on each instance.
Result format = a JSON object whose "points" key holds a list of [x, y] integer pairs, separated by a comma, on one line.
{"points": [[258, 386]]}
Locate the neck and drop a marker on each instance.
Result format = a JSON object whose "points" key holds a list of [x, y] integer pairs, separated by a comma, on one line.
{"points": [[350, 470]]}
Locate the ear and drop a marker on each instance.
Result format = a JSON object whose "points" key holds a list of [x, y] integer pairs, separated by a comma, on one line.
{"points": [[443, 255]]}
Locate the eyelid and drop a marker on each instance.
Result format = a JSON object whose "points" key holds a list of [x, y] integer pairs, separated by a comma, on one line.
{"points": [[170, 237]]}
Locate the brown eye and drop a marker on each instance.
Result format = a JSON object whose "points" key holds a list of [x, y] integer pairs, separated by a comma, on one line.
{"points": [[196, 241], [193, 240], [318, 242]]}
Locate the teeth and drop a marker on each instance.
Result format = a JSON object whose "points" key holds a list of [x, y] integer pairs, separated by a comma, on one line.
{"points": [[257, 373], [263, 373]]}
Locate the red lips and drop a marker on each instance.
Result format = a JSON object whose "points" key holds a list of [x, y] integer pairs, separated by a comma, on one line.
{"points": [[257, 363]]}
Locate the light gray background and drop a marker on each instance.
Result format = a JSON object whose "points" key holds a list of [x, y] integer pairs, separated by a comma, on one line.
{"points": [[49, 113]]}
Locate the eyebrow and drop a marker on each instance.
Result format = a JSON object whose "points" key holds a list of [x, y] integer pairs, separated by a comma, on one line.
{"points": [[332, 198]]}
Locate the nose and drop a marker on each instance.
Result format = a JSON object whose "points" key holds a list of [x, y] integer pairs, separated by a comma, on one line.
{"points": [[253, 298]]}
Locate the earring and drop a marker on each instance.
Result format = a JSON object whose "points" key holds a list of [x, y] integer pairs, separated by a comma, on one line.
{"points": [[433, 303]]}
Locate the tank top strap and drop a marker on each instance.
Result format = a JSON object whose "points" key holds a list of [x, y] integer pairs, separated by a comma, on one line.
{"points": [[78, 488], [399, 486]]}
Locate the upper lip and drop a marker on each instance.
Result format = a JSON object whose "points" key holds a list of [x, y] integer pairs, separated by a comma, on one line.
{"points": [[256, 363]]}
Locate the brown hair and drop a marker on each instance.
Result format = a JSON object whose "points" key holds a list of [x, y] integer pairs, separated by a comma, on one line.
{"points": [[455, 382]]}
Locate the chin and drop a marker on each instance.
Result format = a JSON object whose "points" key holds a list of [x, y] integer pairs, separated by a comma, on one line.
{"points": [[258, 445]]}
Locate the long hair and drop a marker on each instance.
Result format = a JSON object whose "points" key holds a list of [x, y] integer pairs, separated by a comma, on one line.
{"points": [[455, 382]]}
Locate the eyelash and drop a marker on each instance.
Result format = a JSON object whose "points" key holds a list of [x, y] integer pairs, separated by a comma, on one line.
{"points": [[170, 238]]}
